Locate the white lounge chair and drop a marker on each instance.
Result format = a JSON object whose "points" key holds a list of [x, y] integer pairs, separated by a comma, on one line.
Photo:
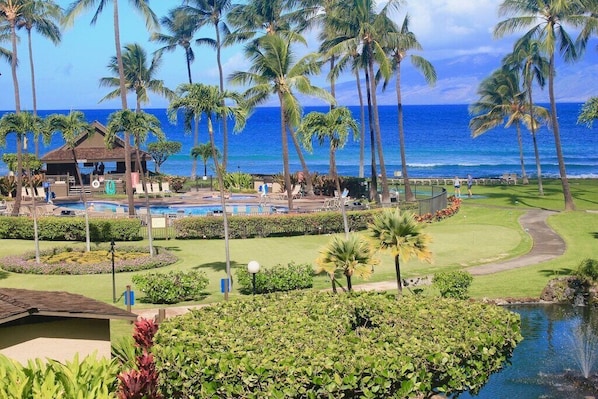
{"points": [[156, 188], [138, 188], [166, 187], [25, 193], [39, 193]]}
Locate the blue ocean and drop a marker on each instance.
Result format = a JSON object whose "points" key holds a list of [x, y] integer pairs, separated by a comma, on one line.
{"points": [[438, 144]]}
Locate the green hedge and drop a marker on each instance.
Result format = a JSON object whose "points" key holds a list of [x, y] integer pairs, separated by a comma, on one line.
{"points": [[56, 228], [277, 279], [321, 345], [171, 287], [270, 225]]}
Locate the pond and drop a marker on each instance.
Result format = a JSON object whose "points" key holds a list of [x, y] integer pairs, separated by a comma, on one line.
{"points": [[559, 341]]}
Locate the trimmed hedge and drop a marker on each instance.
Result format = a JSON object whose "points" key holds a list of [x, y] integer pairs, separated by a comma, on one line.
{"points": [[56, 228], [171, 287], [277, 279], [321, 345]]}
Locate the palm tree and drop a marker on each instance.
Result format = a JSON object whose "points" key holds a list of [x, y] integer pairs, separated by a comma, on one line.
{"points": [[204, 151], [272, 72], [402, 235], [211, 12], [43, 16], [353, 255], [589, 112], [139, 124], [182, 27], [71, 127], [139, 77], [547, 20], [399, 46], [197, 100], [527, 59], [151, 21], [334, 127], [501, 98]]}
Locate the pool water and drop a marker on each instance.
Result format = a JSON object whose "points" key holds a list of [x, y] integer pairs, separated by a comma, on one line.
{"points": [[188, 210]]}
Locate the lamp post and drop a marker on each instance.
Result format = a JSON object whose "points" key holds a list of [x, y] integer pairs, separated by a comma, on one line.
{"points": [[113, 274], [253, 267]]}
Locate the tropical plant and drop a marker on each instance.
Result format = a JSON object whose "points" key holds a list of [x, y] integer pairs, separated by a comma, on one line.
{"points": [[71, 127], [589, 112], [204, 151], [400, 234], [273, 72], [161, 150], [139, 124], [151, 21], [333, 127], [43, 16], [11, 11], [197, 100], [547, 21], [453, 284], [398, 47], [527, 58], [353, 255]]}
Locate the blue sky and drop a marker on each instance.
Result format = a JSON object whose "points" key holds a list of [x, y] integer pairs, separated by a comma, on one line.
{"points": [[456, 36]]}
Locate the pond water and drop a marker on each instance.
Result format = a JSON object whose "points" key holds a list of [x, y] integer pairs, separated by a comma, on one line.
{"points": [[548, 359]]}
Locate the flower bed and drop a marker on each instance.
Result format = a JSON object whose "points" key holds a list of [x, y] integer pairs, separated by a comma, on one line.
{"points": [[68, 260]]}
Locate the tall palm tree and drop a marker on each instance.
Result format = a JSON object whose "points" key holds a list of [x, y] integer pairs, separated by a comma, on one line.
{"points": [[139, 124], [398, 46], [204, 151], [527, 59], [399, 233], [353, 255], [589, 112], [209, 101], [76, 8], [502, 101], [43, 16], [181, 26], [273, 72], [547, 20], [211, 12], [334, 127], [139, 77], [71, 127]]}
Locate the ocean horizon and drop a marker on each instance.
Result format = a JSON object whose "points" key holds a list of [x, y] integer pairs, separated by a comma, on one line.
{"points": [[438, 144]]}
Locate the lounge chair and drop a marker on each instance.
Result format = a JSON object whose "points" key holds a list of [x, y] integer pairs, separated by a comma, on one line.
{"points": [[39, 193], [25, 193], [295, 194], [138, 188], [156, 188], [166, 187]]}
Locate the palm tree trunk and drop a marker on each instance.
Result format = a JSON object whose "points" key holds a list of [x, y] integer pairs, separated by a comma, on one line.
{"points": [[18, 195], [33, 91], [362, 125], [536, 153], [309, 187], [408, 193], [195, 144], [13, 67], [349, 285], [521, 161], [333, 281], [398, 272], [285, 153], [383, 177], [150, 236], [374, 185], [223, 116], [569, 204], [219, 171], [188, 66], [123, 99]]}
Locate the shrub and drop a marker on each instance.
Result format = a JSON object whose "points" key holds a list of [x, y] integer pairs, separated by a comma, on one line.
{"points": [[171, 287], [453, 284], [588, 269], [277, 278], [316, 345], [68, 260]]}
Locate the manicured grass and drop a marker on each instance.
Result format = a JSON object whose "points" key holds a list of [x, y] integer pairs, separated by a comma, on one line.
{"points": [[485, 230]]}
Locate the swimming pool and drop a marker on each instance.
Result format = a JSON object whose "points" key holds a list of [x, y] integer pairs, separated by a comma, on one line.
{"points": [[187, 210]]}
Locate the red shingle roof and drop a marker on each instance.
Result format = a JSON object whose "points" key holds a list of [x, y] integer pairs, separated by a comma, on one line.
{"points": [[16, 303]]}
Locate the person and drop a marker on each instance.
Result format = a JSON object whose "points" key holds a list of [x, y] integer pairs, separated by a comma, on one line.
{"points": [[457, 184], [101, 168], [469, 185], [91, 207]]}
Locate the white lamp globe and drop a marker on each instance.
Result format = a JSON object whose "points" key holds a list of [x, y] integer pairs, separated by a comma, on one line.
{"points": [[253, 267]]}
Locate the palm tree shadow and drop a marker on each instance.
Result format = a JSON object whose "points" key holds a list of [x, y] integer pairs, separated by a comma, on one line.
{"points": [[173, 249], [557, 273], [3, 275], [595, 234], [218, 266]]}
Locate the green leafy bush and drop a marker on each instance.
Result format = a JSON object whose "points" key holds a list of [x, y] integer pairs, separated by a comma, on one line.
{"points": [[89, 378], [171, 287], [319, 345], [56, 228], [588, 269], [277, 278], [453, 284]]}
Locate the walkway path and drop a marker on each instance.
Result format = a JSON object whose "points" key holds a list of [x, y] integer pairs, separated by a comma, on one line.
{"points": [[547, 245]]}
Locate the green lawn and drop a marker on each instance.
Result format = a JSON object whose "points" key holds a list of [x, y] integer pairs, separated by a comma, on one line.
{"points": [[485, 230]]}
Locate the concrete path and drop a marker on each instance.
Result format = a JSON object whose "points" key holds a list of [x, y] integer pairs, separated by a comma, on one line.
{"points": [[547, 245]]}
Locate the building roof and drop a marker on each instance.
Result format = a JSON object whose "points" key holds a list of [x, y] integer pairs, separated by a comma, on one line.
{"points": [[16, 303], [91, 148]]}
